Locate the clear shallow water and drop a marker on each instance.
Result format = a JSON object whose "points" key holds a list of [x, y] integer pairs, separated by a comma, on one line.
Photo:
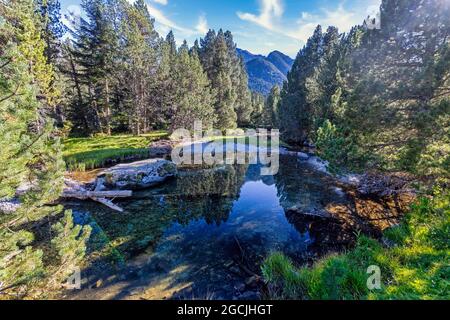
{"points": [[205, 233]]}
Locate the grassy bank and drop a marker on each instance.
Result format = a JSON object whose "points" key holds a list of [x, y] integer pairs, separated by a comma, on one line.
{"points": [[415, 266], [82, 154]]}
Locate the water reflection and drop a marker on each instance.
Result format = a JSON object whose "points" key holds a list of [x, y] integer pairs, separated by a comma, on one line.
{"points": [[216, 225]]}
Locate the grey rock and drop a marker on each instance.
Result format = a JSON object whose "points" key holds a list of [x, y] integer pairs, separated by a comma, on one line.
{"points": [[136, 175]]}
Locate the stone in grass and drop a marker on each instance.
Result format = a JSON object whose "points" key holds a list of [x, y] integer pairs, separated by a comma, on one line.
{"points": [[136, 176]]}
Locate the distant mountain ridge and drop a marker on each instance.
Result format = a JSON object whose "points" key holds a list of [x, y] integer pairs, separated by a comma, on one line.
{"points": [[266, 72]]}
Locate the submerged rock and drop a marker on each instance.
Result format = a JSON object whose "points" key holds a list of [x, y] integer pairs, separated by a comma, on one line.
{"points": [[136, 175]]}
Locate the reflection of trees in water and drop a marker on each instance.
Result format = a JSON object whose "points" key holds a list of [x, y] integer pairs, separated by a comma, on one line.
{"points": [[310, 191], [207, 194], [254, 174], [221, 181], [302, 186], [194, 195], [326, 233]]}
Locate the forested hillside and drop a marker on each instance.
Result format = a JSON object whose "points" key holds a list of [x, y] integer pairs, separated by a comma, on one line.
{"points": [[376, 98], [266, 72]]}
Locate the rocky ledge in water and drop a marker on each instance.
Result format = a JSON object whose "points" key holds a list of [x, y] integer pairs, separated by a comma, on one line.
{"points": [[136, 176], [376, 184]]}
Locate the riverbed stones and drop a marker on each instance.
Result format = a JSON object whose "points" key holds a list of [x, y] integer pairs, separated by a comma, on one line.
{"points": [[252, 282], [240, 287], [249, 295], [136, 176]]}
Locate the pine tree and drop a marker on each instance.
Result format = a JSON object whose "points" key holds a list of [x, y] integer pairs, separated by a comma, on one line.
{"points": [[244, 98], [258, 110], [170, 40], [52, 27], [272, 106], [139, 67], [295, 108], [383, 94], [96, 50], [228, 77], [217, 62], [192, 90], [323, 87], [30, 154], [164, 86]]}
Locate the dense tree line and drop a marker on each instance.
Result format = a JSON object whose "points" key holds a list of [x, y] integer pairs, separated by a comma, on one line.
{"points": [[123, 77], [376, 98]]}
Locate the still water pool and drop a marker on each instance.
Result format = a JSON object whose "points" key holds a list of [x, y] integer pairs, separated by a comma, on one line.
{"points": [[205, 234]]}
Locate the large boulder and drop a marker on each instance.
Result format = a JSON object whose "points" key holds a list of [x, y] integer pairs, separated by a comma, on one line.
{"points": [[136, 175]]}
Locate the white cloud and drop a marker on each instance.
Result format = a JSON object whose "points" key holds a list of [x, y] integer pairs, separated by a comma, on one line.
{"points": [[340, 17], [163, 2], [161, 18], [202, 25], [270, 10]]}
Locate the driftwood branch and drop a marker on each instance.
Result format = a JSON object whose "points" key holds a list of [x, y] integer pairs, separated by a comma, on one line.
{"points": [[75, 191], [84, 195], [108, 203]]}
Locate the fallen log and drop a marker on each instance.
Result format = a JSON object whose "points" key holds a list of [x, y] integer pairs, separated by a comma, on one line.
{"points": [[99, 196], [108, 203], [84, 194], [76, 191]]}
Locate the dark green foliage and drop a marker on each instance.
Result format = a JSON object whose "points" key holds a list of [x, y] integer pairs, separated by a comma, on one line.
{"points": [[386, 90], [228, 78], [296, 107], [192, 89], [30, 158], [124, 78], [272, 107]]}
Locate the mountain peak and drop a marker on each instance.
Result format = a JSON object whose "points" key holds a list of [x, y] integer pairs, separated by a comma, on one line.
{"points": [[266, 72]]}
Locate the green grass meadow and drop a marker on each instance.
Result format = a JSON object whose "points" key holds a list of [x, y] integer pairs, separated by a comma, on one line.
{"points": [[81, 154]]}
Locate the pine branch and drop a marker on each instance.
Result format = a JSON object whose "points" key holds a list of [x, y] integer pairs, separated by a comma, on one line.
{"points": [[11, 95]]}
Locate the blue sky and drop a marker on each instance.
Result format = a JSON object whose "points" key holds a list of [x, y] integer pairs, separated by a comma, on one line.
{"points": [[259, 26]]}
